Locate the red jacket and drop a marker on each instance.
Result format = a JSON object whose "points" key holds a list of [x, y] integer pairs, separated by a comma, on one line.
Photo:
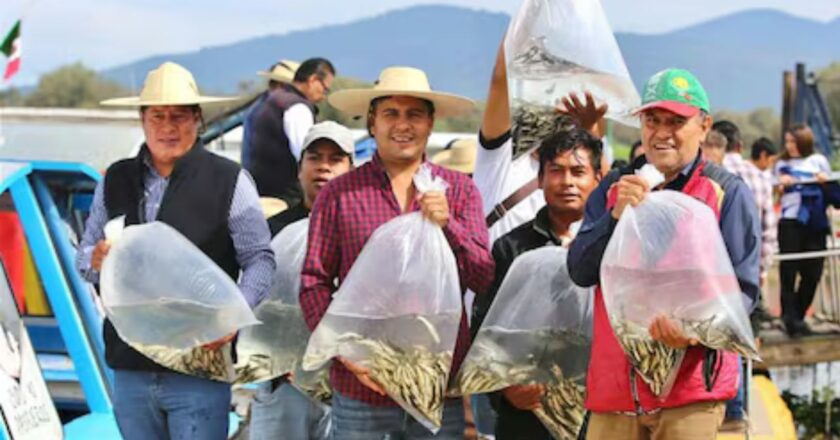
{"points": [[608, 383]]}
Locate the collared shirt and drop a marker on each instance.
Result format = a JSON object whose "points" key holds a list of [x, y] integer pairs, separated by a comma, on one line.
{"points": [[739, 226], [761, 185], [345, 214], [246, 224], [297, 121]]}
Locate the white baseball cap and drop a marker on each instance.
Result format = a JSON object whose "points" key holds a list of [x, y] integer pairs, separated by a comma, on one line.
{"points": [[335, 132]]}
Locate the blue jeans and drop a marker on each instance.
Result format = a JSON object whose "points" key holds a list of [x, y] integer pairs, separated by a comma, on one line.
{"points": [[355, 420], [288, 414], [172, 406], [735, 407], [484, 415]]}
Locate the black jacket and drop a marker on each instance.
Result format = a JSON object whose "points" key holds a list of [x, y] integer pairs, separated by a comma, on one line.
{"points": [[513, 423]]}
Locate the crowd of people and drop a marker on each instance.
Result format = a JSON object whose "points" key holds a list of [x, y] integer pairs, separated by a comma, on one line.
{"points": [[561, 194]]}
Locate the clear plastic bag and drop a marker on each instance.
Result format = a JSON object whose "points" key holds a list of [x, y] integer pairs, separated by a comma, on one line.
{"points": [[276, 347], [667, 258], [538, 331], [159, 289], [555, 47], [397, 312]]}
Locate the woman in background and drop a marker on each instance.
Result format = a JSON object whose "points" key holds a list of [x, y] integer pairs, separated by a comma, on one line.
{"points": [[803, 225]]}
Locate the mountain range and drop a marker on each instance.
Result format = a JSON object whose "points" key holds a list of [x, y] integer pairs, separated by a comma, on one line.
{"points": [[739, 58]]}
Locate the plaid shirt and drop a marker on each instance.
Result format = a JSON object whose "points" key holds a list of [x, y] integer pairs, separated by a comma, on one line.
{"points": [[344, 216], [761, 185]]}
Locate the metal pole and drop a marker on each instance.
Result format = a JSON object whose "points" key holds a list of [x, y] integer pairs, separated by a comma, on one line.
{"points": [[747, 393], [788, 101], [832, 268]]}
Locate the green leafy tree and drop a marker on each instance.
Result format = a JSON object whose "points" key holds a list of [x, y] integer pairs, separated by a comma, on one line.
{"points": [[11, 98], [73, 86]]}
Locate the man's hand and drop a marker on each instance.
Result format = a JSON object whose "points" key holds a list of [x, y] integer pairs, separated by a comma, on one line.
{"points": [[587, 115], [363, 375], [435, 207], [215, 345], [669, 333], [631, 190], [524, 397], [99, 253]]}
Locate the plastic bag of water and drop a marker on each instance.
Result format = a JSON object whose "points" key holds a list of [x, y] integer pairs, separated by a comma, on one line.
{"points": [[397, 312], [667, 258], [556, 47], [160, 289]]}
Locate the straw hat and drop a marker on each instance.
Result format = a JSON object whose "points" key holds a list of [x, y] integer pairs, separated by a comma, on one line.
{"points": [[399, 81], [272, 206], [460, 156], [169, 84], [283, 71]]}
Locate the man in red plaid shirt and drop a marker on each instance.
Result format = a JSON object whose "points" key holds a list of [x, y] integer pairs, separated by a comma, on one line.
{"points": [[400, 113]]}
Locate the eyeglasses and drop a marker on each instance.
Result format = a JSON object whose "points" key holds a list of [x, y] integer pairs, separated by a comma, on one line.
{"points": [[324, 85]]}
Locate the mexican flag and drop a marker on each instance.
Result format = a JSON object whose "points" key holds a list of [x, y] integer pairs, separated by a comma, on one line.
{"points": [[11, 48]]}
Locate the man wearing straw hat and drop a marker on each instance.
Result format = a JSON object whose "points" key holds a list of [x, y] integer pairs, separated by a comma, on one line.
{"points": [[214, 204], [280, 126], [459, 155], [400, 111], [280, 75]]}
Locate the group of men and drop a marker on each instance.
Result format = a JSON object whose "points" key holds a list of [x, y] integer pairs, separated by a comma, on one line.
{"points": [[557, 195]]}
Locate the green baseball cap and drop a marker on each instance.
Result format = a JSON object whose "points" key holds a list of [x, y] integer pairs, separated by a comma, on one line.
{"points": [[677, 91]]}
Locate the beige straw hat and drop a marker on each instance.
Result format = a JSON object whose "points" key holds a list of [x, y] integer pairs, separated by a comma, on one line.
{"points": [[460, 156], [169, 84], [272, 206], [283, 71], [400, 81]]}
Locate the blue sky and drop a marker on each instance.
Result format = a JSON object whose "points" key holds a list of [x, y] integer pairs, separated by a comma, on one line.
{"points": [[104, 33]]}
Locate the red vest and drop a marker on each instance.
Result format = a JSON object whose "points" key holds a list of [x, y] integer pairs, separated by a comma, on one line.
{"points": [[608, 381]]}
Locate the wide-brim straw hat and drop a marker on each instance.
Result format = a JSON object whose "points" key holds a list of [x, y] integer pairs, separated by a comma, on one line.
{"points": [[400, 81], [460, 156], [272, 206], [283, 72], [169, 84]]}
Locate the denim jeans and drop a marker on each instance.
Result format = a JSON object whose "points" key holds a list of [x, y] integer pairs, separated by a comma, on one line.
{"points": [[735, 407], [171, 406], [355, 420], [288, 414], [484, 415]]}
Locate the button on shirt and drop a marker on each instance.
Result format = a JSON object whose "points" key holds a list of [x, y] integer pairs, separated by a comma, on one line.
{"points": [[246, 224], [344, 216]]}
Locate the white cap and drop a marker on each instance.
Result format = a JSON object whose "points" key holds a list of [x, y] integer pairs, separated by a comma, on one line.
{"points": [[335, 132]]}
